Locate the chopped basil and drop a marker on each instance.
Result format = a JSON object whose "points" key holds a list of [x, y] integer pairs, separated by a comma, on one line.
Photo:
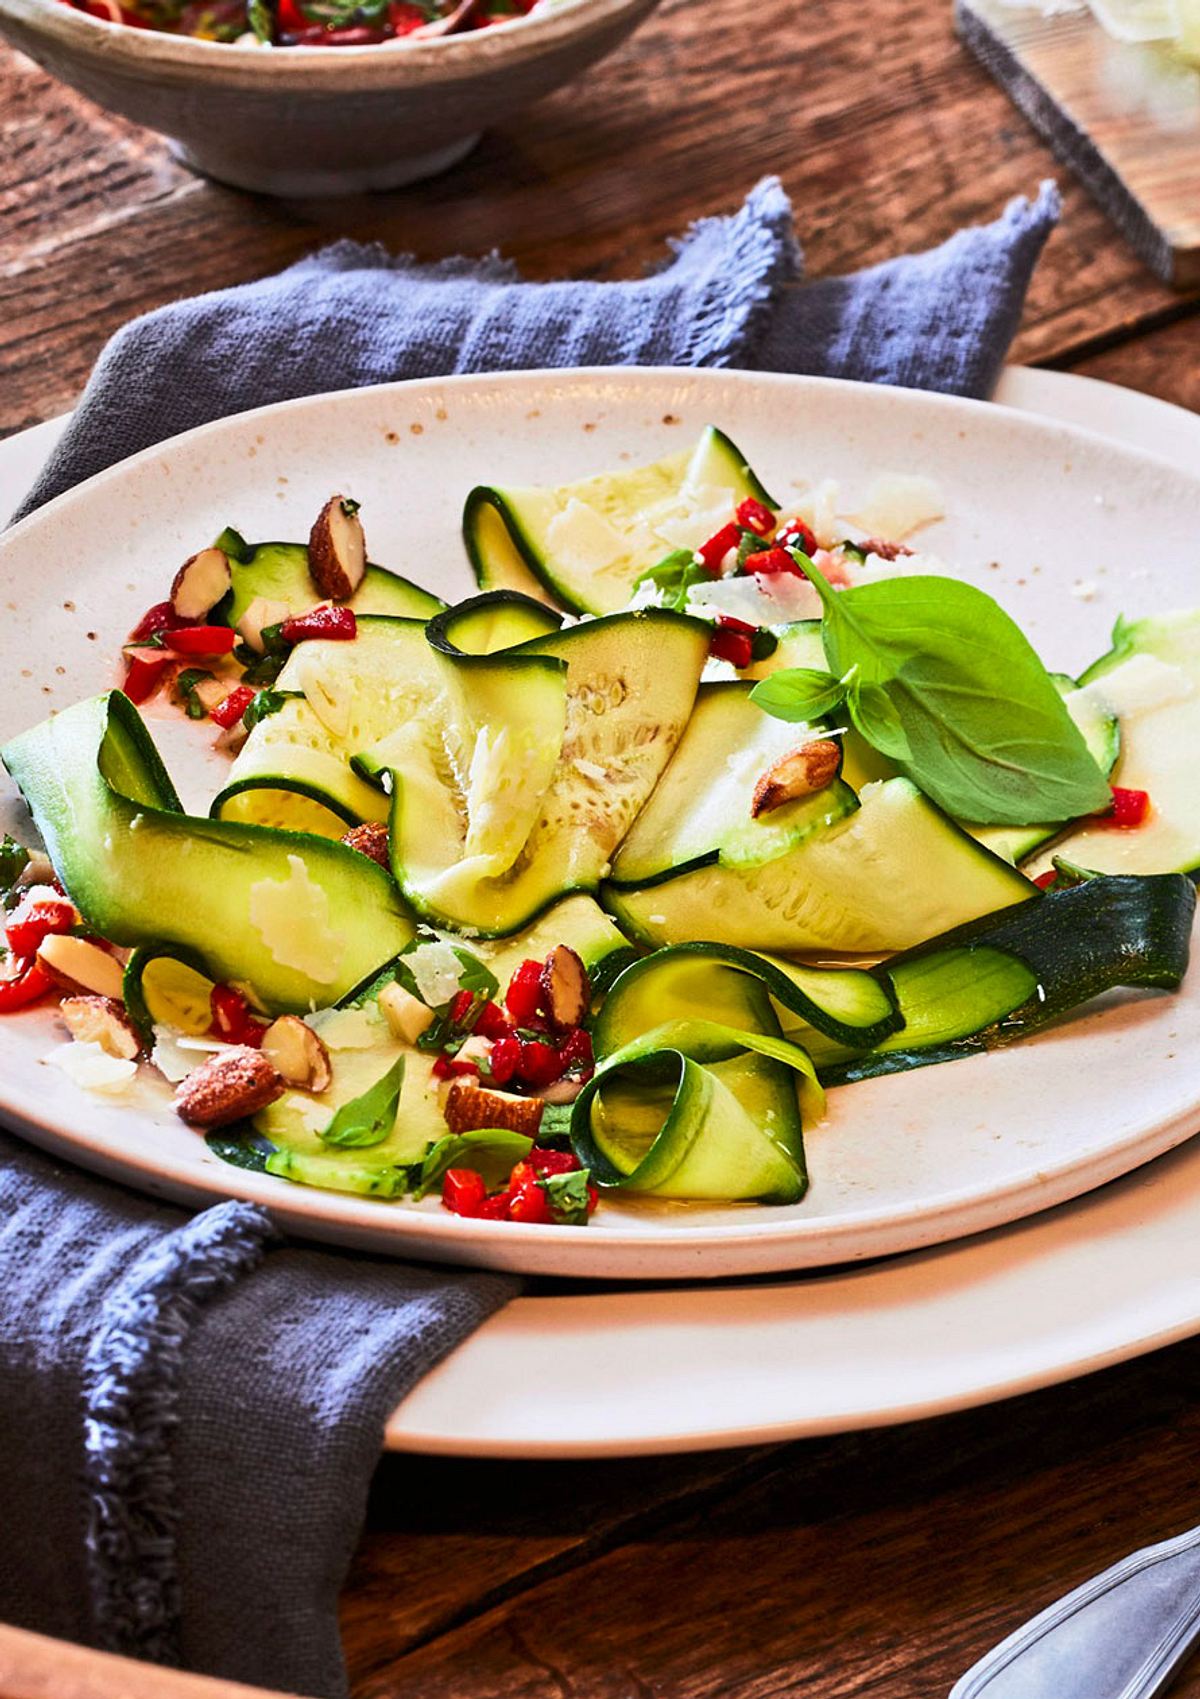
{"points": [[14, 859], [186, 685], [567, 1195], [675, 576], [492, 1151], [368, 1119], [242, 1146], [751, 544], [266, 703], [265, 668]]}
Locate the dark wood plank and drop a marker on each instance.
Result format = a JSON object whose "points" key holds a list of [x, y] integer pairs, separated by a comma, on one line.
{"points": [[881, 1564], [1164, 362], [705, 99]]}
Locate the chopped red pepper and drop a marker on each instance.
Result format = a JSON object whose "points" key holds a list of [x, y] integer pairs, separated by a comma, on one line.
{"points": [[540, 1063], [144, 673], [527, 1201], [338, 624], [228, 712], [505, 1058], [1045, 880], [161, 617], [524, 994], [755, 517], [461, 1005], [202, 639], [232, 1019], [1129, 808], [553, 1161], [796, 535], [449, 1067], [576, 1053], [733, 641], [463, 1191], [492, 1022], [774, 561], [405, 18], [495, 1208], [27, 982], [718, 546], [35, 918]]}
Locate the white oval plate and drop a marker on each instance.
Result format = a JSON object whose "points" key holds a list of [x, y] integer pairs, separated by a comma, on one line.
{"points": [[1035, 511]]}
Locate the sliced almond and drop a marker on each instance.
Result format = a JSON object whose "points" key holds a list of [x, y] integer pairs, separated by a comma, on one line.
{"points": [[562, 1091], [297, 1053], [257, 617], [337, 550], [102, 1021], [370, 840], [79, 965], [800, 772], [405, 1014], [235, 1082], [200, 583], [38, 870], [566, 990], [469, 1107], [475, 1049]]}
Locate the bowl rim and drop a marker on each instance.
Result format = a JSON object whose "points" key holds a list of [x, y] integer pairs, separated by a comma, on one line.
{"points": [[463, 53]]}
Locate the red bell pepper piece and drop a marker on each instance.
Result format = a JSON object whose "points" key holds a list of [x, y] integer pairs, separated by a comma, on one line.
{"points": [[145, 668], [24, 985], [755, 517], [232, 1019], [161, 617], [35, 918], [505, 1058], [540, 1063], [338, 624], [796, 535], [733, 641], [524, 994], [1045, 880], [1129, 808], [202, 639], [463, 1191], [227, 713], [718, 546], [773, 561]]}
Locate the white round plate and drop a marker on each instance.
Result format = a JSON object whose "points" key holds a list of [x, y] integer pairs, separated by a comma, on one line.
{"points": [[1034, 511]]}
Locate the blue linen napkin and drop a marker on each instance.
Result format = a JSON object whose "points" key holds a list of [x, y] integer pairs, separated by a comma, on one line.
{"points": [[191, 1407], [730, 296]]}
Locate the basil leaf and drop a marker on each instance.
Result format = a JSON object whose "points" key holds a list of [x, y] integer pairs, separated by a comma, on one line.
{"points": [[750, 544], [186, 685], [240, 1145], [266, 668], [476, 976], [675, 574], [873, 713], [798, 693], [567, 1195], [987, 733], [492, 1151], [266, 703], [14, 859], [368, 1119]]}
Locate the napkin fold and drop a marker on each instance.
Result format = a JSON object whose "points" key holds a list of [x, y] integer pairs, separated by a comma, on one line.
{"points": [[730, 295], [190, 1406]]}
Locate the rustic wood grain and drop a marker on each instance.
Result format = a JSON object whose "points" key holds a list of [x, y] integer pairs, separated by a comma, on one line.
{"points": [[880, 1564], [883, 128]]}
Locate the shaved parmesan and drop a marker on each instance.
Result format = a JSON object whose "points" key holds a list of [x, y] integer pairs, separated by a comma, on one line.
{"points": [[87, 1065]]}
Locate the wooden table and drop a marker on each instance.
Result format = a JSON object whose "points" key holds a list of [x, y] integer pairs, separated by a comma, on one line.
{"points": [[882, 1563]]}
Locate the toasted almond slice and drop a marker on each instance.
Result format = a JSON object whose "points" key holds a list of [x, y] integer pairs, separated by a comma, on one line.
{"points": [[337, 550], [260, 613], [471, 1106], [297, 1053], [800, 772], [370, 840], [200, 583], [235, 1082], [79, 965], [565, 987], [562, 1091], [405, 1014], [38, 870], [103, 1021]]}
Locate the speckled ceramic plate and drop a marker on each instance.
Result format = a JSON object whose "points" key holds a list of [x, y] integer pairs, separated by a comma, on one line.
{"points": [[1036, 511]]}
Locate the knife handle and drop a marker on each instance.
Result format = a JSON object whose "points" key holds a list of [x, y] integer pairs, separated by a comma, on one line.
{"points": [[1121, 1635]]}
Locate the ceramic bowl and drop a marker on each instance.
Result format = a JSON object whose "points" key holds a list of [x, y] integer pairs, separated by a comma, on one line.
{"points": [[320, 120]]}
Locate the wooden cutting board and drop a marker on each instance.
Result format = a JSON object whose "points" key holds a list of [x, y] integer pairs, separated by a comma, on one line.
{"points": [[1125, 116]]}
